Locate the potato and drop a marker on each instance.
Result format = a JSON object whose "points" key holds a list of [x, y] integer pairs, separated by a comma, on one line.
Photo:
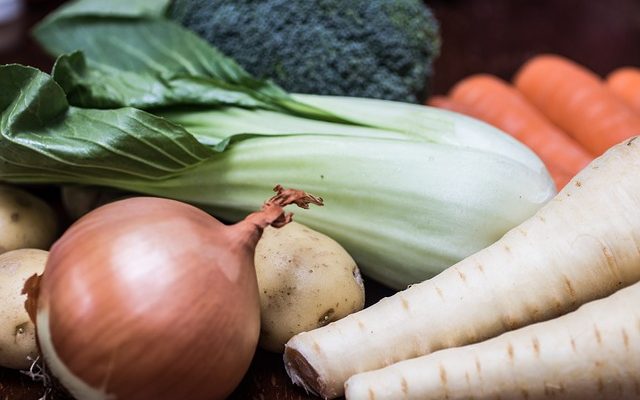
{"points": [[25, 221], [79, 200], [17, 333], [306, 280]]}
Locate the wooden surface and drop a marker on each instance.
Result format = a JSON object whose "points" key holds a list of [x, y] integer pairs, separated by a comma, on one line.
{"points": [[494, 36]]}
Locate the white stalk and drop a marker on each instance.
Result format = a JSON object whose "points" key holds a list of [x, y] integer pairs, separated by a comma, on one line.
{"points": [[404, 210]]}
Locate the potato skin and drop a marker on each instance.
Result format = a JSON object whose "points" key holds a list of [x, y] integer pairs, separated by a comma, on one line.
{"points": [[306, 280], [25, 221], [17, 331], [78, 200]]}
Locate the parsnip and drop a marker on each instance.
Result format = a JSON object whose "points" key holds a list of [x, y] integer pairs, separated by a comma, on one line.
{"points": [[581, 246], [591, 353]]}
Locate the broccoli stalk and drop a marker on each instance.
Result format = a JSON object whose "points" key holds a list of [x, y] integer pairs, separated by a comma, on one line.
{"points": [[366, 48]]}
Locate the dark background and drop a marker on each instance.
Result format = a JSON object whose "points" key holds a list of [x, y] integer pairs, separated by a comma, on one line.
{"points": [[497, 36], [492, 36]]}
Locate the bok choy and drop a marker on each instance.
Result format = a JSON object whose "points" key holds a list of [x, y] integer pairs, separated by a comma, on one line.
{"points": [[409, 190]]}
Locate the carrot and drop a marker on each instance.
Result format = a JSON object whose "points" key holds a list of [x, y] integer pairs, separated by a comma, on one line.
{"points": [[592, 353], [577, 101], [446, 103], [625, 83], [494, 101], [582, 245]]}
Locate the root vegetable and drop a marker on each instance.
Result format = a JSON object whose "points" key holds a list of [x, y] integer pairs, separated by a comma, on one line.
{"points": [[306, 281], [79, 200], [446, 103], [150, 298], [625, 83], [577, 101], [18, 346], [25, 221], [581, 246], [592, 353]]}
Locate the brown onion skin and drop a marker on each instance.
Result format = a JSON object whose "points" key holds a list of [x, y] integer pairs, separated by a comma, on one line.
{"points": [[154, 299]]}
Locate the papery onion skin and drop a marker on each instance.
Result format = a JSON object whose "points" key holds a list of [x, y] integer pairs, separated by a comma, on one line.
{"points": [[150, 298]]}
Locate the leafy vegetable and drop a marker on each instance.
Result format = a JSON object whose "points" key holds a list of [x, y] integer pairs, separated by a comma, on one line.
{"points": [[150, 63], [112, 8], [410, 189], [403, 206], [44, 139]]}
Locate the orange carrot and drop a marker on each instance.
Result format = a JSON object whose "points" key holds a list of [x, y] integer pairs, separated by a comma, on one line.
{"points": [[577, 101], [494, 101], [447, 103], [625, 82]]}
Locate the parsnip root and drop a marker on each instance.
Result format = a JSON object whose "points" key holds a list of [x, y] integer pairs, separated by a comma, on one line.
{"points": [[592, 353], [583, 245]]}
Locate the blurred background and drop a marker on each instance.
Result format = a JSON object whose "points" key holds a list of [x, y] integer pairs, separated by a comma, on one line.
{"points": [[497, 36], [494, 36]]}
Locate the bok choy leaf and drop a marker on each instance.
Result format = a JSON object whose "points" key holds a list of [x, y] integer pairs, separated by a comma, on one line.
{"points": [[111, 8], [150, 63], [44, 139]]}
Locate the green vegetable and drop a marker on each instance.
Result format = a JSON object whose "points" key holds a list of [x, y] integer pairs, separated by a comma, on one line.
{"points": [[367, 48], [409, 190], [44, 139], [119, 8], [123, 70]]}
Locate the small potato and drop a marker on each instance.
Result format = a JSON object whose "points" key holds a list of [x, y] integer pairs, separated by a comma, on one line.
{"points": [[17, 333], [79, 200], [25, 221], [306, 280]]}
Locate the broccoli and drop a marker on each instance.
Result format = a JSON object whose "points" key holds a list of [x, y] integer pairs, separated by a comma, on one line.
{"points": [[367, 48]]}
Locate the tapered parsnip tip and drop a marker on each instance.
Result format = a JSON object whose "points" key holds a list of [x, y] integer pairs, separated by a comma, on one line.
{"points": [[303, 374]]}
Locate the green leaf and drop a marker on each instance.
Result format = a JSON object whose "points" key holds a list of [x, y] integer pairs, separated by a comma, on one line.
{"points": [[110, 8], [148, 63], [104, 86], [45, 139]]}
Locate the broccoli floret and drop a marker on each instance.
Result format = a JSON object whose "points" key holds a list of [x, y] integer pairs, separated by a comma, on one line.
{"points": [[366, 48]]}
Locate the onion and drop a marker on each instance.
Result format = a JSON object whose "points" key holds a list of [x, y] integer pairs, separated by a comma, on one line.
{"points": [[150, 298]]}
